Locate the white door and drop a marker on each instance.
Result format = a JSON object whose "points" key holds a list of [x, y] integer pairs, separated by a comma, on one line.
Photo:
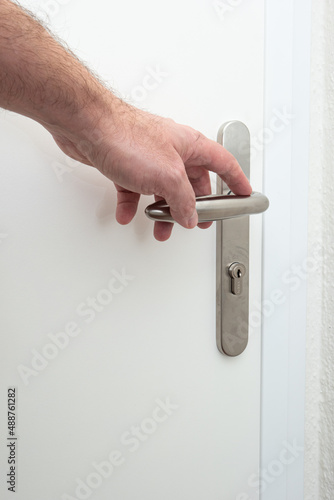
{"points": [[108, 337]]}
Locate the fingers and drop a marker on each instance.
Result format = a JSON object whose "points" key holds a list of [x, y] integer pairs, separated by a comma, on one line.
{"points": [[127, 204], [176, 189], [204, 225], [200, 181], [201, 185], [219, 160], [162, 230]]}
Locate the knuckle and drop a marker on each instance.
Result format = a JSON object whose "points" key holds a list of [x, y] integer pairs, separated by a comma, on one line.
{"points": [[198, 136], [177, 176], [185, 208], [174, 176]]}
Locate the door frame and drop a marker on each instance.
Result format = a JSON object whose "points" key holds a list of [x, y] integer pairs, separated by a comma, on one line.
{"points": [[285, 260]]}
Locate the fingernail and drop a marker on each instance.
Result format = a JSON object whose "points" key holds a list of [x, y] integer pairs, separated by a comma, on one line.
{"points": [[193, 221]]}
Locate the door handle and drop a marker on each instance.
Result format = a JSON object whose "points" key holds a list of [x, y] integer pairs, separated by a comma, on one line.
{"points": [[232, 242], [214, 207]]}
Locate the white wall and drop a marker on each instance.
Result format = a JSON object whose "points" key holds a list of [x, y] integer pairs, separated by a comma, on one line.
{"points": [[319, 424]]}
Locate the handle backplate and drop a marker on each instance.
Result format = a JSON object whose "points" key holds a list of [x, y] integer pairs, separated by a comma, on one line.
{"points": [[232, 309]]}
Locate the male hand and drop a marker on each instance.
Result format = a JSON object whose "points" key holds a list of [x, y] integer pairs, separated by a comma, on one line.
{"points": [[146, 154]]}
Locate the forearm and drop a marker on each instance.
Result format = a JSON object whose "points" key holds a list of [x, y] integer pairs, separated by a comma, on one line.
{"points": [[42, 80]]}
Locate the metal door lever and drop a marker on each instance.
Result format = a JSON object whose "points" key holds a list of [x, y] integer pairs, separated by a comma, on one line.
{"points": [[232, 257], [214, 207]]}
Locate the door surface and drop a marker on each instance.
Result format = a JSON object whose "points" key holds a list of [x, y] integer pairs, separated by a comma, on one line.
{"points": [[108, 337]]}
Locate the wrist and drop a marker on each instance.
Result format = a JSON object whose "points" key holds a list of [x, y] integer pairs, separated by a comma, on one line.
{"points": [[104, 124], [85, 124]]}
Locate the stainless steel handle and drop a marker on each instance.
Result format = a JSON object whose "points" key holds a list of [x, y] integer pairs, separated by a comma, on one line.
{"points": [[214, 207]]}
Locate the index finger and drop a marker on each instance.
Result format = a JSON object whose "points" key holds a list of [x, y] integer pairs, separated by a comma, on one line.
{"points": [[217, 159]]}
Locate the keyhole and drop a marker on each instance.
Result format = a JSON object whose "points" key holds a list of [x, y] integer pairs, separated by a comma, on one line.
{"points": [[239, 273]]}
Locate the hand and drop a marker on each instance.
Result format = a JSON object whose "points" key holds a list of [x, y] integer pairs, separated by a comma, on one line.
{"points": [[146, 154]]}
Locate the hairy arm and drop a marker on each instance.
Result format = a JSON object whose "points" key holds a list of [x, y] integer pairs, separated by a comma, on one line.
{"points": [[39, 78], [141, 153]]}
